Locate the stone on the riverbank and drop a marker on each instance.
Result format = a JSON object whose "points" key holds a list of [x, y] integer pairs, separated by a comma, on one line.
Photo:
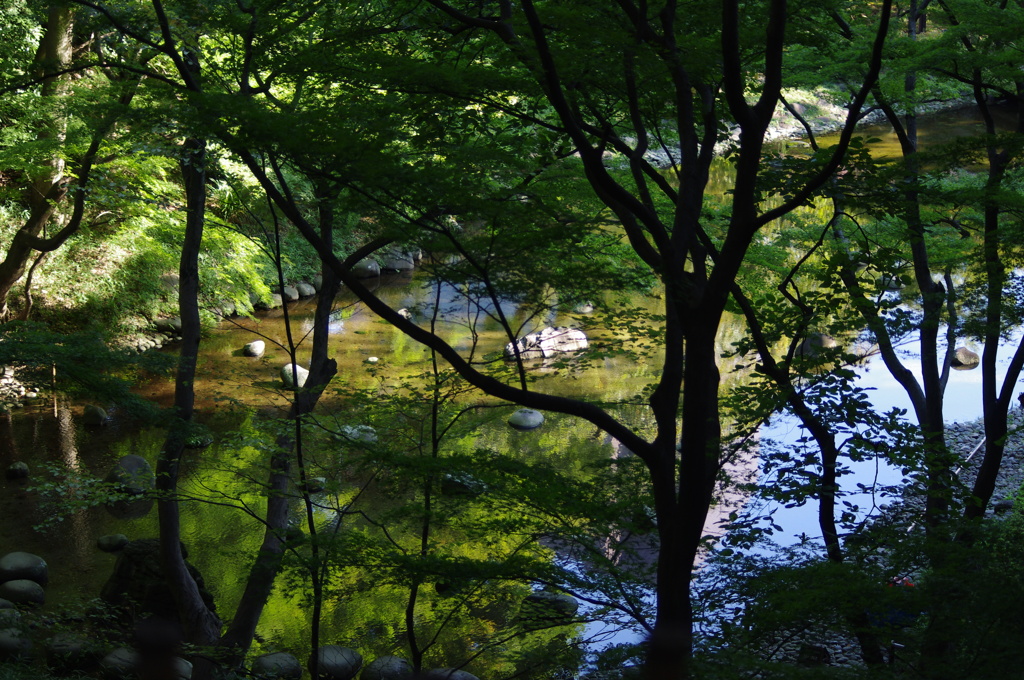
{"points": [[256, 348], [18, 565], [293, 375], [94, 416], [337, 663], [548, 342], [290, 293], [526, 419], [111, 543], [387, 668], [132, 474], [281, 665], [318, 282], [69, 653], [448, 674], [17, 470], [399, 261], [964, 359], [14, 644], [120, 664], [170, 325], [305, 290], [23, 591], [366, 269]]}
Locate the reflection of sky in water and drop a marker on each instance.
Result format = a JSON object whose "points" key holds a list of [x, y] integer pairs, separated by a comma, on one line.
{"points": [[963, 403]]}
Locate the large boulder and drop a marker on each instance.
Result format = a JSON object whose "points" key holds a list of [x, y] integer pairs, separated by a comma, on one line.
{"points": [[399, 261], [548, 342], [964, 359], [277, 665], [137, 581], [358, 434], [387, 668], [17, 565], [171, 325], [305, 289], [293, 375], [336, 663], [132, 474], [23, 591]]}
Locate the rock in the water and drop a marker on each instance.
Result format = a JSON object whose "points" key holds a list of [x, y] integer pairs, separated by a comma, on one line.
{"points": [[387, 668], [277, 665], [17, 470], [23, 591], [337, 663], [305, 290], [120, 664], [14, 644], [94, 415], [111, 543], [17, 565], [132, 474], [448, 674], [399, 261], [256, 348], [296, 378], [366, 269], [964, 359], [526, 419], [548, 342], [549, 606], [290, 293], [358, 434]]}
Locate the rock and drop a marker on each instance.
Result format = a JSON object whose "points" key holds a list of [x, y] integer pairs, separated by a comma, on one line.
{"points": [[318, 282], [17, 470], [120, 664], [290, 293], [137, 581], [256, 348], [293, 378], [111, 543], [68, 653], [277, 665], [448, 674], [23, 565], [227, 308], [182, 668], [549, 606], [337, 663], [169, 325], [359, 434], [456, 484], [583, 308], [366, 269], [372, 360], [275, 301], [316, 484], [23, 591], [404, 313], [399, 261], [132, 474], [548, 342], [1002, 505], [526, 419], [814, 343], [9, 617], [305, 290], [964, 359], [94, 415], [14, 645], [387, 668], [813, 656]]}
